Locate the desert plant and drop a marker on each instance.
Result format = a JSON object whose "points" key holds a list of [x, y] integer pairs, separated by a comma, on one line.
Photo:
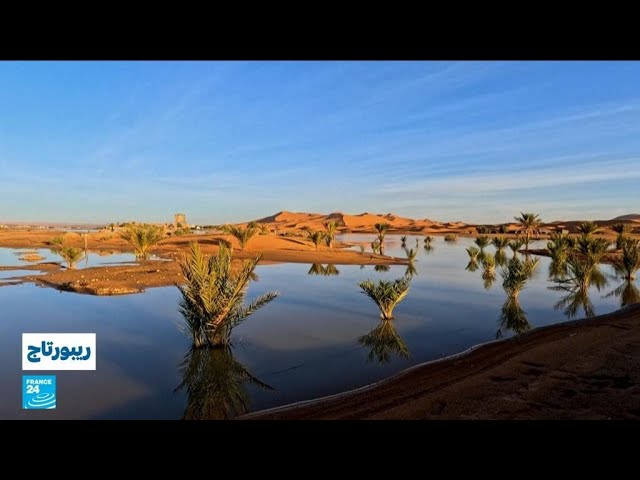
{"points": [[489, 272], [403, 239], [482, 242], [530, 222], [451, 237], [214, 382], [264, 228], [588, 228], [384, 341], [71, 255], [628, 264], [515, 275], [330, 234], [428, 240], [411, 254], [316, 238], [621, 227], [381, 228], [243, 235], [502, 229], [375, 246], [483, 229], [362, 249], [515, 245], [500, 243], [213, 295], [142, 237], [57, 242], [500, 257], [473, 253], [472, 266], [386, 294]]}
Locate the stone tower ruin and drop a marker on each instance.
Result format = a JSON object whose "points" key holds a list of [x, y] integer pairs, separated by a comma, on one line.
{"points": [[180, 220]]}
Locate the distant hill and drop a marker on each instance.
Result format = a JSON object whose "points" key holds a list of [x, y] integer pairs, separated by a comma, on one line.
{"points": [[631, 216]]}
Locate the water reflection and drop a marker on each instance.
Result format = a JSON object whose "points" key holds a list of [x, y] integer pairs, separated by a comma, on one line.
{"points": [[382, 268], [627, 292], [580, 275], [215, 384], [515, 276], [512, 317], [384, 342], [318, 269]]}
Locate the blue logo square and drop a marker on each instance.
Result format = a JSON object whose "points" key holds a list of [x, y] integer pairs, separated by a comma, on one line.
{"points": [[38, 392]]}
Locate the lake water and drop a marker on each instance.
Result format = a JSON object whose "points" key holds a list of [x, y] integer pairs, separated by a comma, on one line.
{"points": [[304, 344], [10, 257]]}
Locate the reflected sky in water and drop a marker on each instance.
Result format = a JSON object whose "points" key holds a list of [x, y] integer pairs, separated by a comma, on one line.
{"points": [[306, 343]]}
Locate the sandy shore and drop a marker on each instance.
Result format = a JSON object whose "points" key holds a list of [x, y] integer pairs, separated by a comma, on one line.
{"points": [[127, 279], [584, 369]]}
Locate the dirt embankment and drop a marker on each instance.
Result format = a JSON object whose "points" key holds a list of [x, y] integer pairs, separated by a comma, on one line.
{"points": [[584, 369]]}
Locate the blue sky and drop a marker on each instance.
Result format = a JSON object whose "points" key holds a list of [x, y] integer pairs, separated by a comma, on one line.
{"points": [[232, 141]]}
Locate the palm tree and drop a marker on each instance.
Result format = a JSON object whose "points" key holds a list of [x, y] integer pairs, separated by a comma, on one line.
{"points": [[628, 264], [382, 231], [384, 341], [588, 228], [499, 243], [375, 246], [622, 229], [411, 254], [316, 237], [530, 222], [472, 266], [386, 294], [71, 255], [330, 234], [214, 382], [264, 228], [515, 245], [515, 275], [500, 257], [243, 235], [582, 272], [473, 253], [482, 242], [428, 240], [489, 273], [213, 295], [142, 237]]}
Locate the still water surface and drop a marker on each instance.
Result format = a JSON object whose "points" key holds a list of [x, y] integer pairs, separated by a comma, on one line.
{"points": [[304, 344]]}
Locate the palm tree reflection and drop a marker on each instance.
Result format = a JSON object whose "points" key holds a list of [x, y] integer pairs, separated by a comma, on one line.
{"points": [[214, 382], [628, 293], [318, 269], [384, 341], [515, 275]]}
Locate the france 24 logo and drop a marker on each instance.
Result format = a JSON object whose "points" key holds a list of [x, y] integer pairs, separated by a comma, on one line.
{"points": [[39, 392]]}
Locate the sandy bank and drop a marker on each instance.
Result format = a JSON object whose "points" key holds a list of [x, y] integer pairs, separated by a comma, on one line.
{"points": [[584, 369]]}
